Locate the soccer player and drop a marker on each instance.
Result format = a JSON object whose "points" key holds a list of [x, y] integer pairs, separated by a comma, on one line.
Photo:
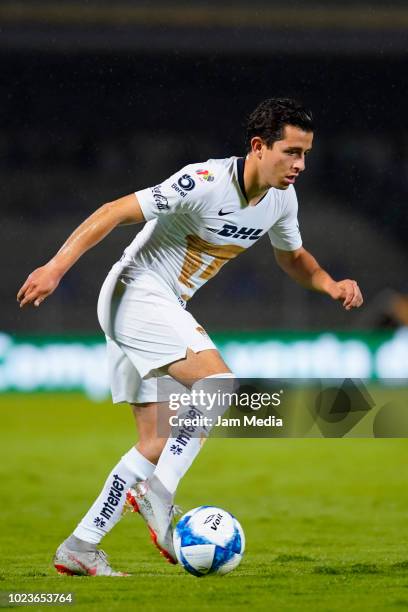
{"points": [[197, 220]]}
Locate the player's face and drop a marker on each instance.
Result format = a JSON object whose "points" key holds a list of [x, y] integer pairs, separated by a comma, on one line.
{"points": [[281, 165]]}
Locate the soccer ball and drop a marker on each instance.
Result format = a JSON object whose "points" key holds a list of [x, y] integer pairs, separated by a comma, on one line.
{"points": [[209, 540]]}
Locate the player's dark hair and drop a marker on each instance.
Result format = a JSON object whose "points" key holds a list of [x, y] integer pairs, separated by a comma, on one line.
{"points": [[269, 118]]}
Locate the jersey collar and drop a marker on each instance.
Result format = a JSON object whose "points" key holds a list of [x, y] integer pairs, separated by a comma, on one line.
{"points": [[240, 176]]}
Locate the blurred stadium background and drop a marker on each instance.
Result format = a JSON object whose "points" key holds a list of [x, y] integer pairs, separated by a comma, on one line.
{"points": [[100, 99]]}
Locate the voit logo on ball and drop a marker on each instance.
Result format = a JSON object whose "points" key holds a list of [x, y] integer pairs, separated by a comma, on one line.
{"points": [[215, 520]]}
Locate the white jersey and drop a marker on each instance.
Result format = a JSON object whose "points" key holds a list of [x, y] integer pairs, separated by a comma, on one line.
{"points": [[199, 219]]}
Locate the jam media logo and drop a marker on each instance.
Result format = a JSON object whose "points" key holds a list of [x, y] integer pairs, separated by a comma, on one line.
{"points": [[186, 182], [205, 175], [161, 200], [232, 231]]}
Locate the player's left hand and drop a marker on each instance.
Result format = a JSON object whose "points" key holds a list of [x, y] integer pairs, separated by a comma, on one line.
{"points": [[348, 292]]}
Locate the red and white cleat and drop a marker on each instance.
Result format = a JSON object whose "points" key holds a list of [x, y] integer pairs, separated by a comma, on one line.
{"points": [[158, 512], [130, 503], [73, 563]]}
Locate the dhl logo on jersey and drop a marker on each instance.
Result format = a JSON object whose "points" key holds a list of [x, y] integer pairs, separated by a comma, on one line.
{"points": [[205, 175], [232, 231]]}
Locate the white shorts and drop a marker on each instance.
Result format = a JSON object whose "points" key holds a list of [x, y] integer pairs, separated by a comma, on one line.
{"points": [[146, 328]]}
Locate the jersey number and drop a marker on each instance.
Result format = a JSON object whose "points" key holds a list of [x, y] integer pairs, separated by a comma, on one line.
{"points": [[193, 261]]}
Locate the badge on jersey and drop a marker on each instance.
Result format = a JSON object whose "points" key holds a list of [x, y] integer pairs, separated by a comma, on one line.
{"points": [[205, 175]]}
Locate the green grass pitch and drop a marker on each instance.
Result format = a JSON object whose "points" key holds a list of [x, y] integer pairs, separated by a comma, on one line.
{"points": [[325, 520]]}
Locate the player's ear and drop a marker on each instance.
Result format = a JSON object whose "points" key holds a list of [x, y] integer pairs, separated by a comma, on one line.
{"points": [[256, 146]]}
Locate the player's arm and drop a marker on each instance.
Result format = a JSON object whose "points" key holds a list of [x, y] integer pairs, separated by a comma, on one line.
{"points": [[44, 280], [305, 270]]}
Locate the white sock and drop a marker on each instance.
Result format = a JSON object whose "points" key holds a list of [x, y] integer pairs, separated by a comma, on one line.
{"points": [[183, 447], [107, 508]]}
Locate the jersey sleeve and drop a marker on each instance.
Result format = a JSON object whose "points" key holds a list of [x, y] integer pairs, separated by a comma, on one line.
{"points": [[180, 193], [285, 233]]}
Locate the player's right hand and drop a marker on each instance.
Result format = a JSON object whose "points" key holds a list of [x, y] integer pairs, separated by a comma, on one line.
{"points": [[39, 285]]}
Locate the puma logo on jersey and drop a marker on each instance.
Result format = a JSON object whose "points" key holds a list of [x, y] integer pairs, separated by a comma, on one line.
{"points": [[232, 231]]}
